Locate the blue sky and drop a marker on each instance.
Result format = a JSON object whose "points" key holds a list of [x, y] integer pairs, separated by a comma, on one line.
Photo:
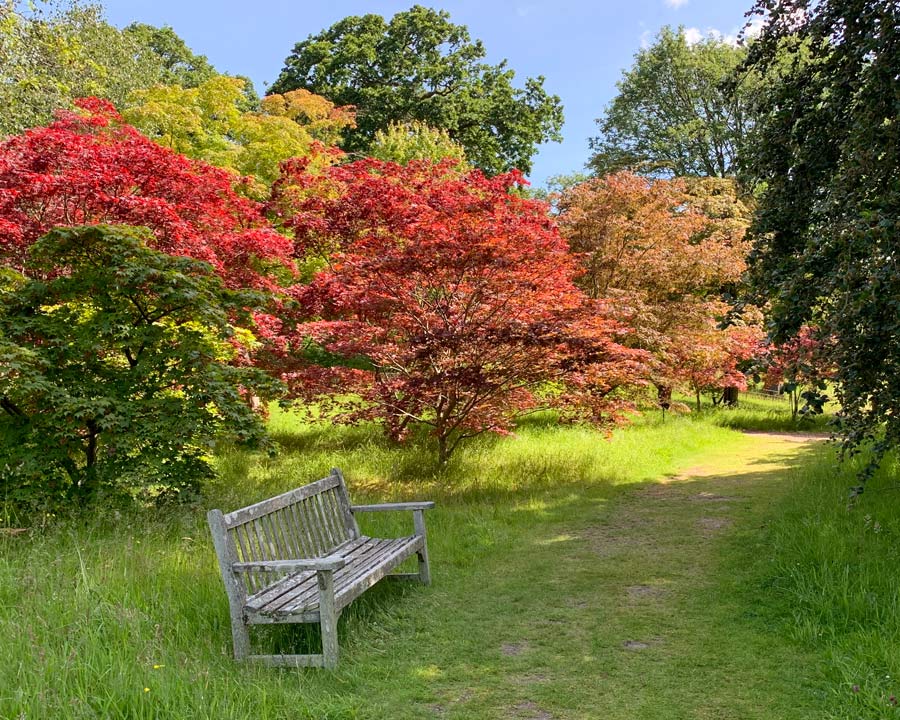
{"points": [[581, 47]]}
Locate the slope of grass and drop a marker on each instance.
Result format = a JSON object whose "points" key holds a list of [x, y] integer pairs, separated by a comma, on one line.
{"points": [[569, 583]]}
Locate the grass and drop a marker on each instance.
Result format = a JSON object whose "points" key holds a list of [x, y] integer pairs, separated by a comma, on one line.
{"points": [[572, 580], [831, 584]]}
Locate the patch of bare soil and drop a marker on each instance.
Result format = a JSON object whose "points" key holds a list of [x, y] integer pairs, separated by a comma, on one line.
{"points": [[530, 711], [713, 524], [513, 649]]}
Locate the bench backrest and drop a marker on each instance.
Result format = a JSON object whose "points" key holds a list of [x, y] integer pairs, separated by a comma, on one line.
{"points": [[307, 522]]}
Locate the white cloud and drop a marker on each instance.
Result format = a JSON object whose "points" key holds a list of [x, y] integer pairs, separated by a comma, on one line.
{"points": [[693, 35], [676, 3], [753, 28], [524, 10], [646, 37]]}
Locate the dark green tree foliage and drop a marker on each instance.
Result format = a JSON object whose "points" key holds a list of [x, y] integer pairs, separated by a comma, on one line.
{"points": [[180, 65], [118, 372], [420, 66], [827, 148], [672, 114]]}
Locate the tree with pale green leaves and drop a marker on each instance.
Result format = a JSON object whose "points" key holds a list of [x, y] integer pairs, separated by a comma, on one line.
{"points": [[55, 52], [404, 142]]}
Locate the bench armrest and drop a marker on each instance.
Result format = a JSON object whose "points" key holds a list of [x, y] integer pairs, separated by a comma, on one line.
{"points": [[332, 562], [383, 507]]}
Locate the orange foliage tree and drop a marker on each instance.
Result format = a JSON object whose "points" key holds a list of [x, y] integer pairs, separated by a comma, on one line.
{"points": [[662, 252]]}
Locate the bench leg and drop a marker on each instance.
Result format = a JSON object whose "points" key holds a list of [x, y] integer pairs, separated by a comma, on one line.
{"points": [[240, 635], [424, 568], [328, 617]]}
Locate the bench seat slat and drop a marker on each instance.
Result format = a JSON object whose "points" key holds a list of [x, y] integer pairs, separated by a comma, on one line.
{"points": [[296, 585], [368, 560]]}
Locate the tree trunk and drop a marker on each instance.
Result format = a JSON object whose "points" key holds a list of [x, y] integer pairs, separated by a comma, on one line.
{"points": [[664, 396], [730, 396], [443, 449]]}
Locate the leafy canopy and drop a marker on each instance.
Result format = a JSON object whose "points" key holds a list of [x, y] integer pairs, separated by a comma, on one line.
{"points": [[54, 52], [207, 123], [662, 252], [420, 66], [445, 300], [827, 149], [91, 168], [117, 371], [673, 115]]}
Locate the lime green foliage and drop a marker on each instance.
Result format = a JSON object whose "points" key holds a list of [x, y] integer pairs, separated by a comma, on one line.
{"points": [[558, 556], [402, 142], [208, 123], [117, 373]]}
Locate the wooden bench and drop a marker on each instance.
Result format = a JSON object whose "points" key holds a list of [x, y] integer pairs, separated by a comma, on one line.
{"points": [[300, 558]]}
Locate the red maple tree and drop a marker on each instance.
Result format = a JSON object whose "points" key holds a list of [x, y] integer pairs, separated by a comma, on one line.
{"points": [[88, 167], [446, 299]]}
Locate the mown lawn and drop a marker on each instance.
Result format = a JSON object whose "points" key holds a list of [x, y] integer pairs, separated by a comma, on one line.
{"points": [[644, 577]]}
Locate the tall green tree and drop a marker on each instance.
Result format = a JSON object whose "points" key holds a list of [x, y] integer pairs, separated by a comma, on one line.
{"points": [[674, 114], [421, 66], [181, 66], [827, 152]]}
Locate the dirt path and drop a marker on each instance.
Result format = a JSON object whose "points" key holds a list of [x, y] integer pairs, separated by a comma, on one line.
{"points": [[650, 623]]}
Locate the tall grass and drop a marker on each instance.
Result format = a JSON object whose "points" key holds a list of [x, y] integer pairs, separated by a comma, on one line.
{"points": [[831, 580]]}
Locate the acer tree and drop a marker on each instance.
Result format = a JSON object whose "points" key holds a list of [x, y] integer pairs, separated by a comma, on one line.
{"points": [[444, 300], [801, 369], [90, 167], [650, 249], [118, 372], [713, 360], [208, 123]]}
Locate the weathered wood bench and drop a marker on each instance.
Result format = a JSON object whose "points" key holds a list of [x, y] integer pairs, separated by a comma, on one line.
{"points": [[300, 558]]}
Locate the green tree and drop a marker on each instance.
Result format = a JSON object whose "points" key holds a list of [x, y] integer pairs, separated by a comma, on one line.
{"points": [[403, 142], [180, 65], [118, 372], [207, 123], [826, 151], [674, 113], [421, 66], [60, 51]]}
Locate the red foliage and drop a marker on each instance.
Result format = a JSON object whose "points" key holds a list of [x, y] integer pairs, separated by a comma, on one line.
{"points": [[710, 360], [454, 296], [802, 360], [91, 168]]}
